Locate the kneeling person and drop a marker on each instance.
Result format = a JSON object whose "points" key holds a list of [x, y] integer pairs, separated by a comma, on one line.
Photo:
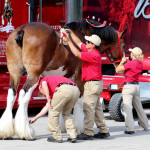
{"points": [[61, 94]]}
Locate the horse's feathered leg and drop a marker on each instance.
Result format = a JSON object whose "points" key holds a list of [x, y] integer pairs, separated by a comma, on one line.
{"points": [[62, 123], [78, 116], [6, 121], [16, 69], [22, 127]]}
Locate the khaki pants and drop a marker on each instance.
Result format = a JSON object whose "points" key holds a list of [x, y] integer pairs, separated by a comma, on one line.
{"points": [[131, 95], [92, 108], [63, 100]]}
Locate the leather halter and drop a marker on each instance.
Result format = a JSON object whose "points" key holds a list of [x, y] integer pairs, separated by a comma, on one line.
{"points": [[117, 47], [97, 26]]}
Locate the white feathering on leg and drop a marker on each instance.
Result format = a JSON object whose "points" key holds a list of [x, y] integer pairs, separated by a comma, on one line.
{"points": [[62, 123], [78, 116], [6, 121], [22, 127]]}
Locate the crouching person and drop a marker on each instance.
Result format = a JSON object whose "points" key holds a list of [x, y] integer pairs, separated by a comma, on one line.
{"points": [[61, 94]]}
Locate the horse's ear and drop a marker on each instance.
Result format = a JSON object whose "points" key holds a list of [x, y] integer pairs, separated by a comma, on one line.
{"points": [[122, 33]]}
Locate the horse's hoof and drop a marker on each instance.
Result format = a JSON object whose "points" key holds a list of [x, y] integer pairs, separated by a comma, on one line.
{"points": [[28, 139], [32, 139], [9, 138], [23, 139], [6, 138]]}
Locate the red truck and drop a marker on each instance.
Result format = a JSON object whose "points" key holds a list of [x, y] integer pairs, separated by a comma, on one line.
{"points": [[111, 96]]}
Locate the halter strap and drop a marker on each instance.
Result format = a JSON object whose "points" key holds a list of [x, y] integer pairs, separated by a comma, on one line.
{"points": [[117, 47], [97, 26]]}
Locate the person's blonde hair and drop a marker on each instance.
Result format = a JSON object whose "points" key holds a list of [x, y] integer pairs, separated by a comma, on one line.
{"points": [[139, 57]]}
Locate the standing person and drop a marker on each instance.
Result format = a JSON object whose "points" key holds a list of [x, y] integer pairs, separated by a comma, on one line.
{"points": [[131, 89], [92, 76], [61, 94]]}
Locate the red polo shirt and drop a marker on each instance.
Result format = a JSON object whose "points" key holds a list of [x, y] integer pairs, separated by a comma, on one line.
{"points": [[91, 65], [54, 81], [132, 70]]}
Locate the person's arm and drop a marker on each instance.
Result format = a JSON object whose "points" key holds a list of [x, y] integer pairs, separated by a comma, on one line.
{"points": [[40, 114], [120, 68], [74, 50], [74, 38], [46, 91]]}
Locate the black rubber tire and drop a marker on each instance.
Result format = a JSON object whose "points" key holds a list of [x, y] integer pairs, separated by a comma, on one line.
{"points": [[115, 107]]}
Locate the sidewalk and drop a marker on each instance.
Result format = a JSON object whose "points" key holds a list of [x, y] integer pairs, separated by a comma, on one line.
{"points": [[117, 141]]}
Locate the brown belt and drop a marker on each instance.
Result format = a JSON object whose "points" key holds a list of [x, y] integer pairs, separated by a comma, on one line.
{"points": [[67, 84], [93, 80]]}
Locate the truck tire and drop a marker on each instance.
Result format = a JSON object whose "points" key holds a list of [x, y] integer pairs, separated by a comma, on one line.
{"points": [[116, 107]]}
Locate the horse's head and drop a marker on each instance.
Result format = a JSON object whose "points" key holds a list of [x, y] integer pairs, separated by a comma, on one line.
{"points": [[112, 40], [115, 50]]}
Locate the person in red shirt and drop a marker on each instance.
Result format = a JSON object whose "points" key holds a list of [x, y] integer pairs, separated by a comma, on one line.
{"points": [[92, 76], [61, 94], [131, 90]]}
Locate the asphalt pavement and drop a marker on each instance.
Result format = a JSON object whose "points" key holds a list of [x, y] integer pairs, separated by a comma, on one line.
{"points": [[117, 141]]}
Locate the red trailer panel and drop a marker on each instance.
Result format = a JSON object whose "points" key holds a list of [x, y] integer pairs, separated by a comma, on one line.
{"points": [[53, 13], [120, 13]]}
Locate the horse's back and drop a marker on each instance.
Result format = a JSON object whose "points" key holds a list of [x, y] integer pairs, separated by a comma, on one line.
{"points": [[34, 32], [37, 29], [13, 51], [39, 38], [39, 42]]}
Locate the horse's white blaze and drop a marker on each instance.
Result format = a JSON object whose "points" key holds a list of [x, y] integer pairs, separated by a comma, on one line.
{"points": [[6, 121], [22, 127], [78, 117]]}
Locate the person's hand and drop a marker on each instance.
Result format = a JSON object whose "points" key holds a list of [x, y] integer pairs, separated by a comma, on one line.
{"points": [[68, 30], [66, 39], [32, 120], [124, 60]]}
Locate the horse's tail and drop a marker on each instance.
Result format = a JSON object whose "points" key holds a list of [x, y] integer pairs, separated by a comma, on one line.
{"points": [[19, 38]]}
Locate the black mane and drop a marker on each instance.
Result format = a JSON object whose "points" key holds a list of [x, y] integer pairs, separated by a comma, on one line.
{"points": [[105, 33]]}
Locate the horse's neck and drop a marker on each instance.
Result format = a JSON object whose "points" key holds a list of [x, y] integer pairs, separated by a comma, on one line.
{"points": [[105, 46], [58, 35], [60, 56]]}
